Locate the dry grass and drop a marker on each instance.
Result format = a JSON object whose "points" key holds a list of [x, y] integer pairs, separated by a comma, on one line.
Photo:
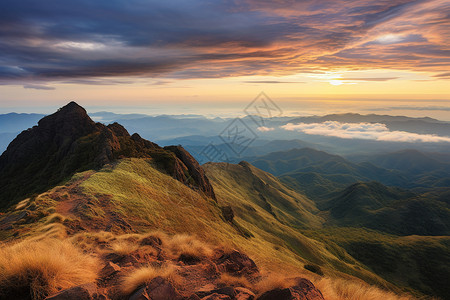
{"points": [[52, 230], [142, 276], [123, 247], [229, 280], [339, 289], [271, 282], [331, 288], [55, 218], [22, 204], [183, 244], [38, 269]]}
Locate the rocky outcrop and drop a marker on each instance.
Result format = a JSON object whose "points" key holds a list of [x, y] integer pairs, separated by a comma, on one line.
{"points": [[68, 141], [303, 289], [157, 289], [197, 174]]}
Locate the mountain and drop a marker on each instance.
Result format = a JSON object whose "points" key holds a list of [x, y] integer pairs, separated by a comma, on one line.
{"points": [[388, 209], [409, 160], [68, 141], [302, 167], [14, 122], [98, 212]]}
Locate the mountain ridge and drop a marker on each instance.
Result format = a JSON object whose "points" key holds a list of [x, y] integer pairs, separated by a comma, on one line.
{"points": [[68, 141]]}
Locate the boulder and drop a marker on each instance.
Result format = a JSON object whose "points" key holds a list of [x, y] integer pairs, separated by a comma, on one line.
{"points": [[244, 294], [140, 294], [109, 270], [216, 296], [302, 290], [157, 289], [87, 291], [237, 263]]}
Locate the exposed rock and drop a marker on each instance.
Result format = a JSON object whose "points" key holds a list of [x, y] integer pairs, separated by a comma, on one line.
{"points": [[237, 263], [195, 170], [302, 290], [307, 288], [140, 294], [216, 296], [86, 291], [161, 289], [228, 213], [229, 291], [189, 259], [109, 270], [69, 141], [244, 294]]}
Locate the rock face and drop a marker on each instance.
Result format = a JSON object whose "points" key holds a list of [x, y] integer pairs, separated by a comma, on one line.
{"points": [[157, 289], [237, 264], [68, 141], [196, 172], [302, 290]]}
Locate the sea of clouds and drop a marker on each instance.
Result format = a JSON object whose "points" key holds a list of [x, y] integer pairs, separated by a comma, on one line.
{"points": [[369, 131]]}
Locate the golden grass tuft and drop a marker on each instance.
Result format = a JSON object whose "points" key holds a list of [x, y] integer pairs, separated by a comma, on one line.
{"points": [[236, 281], [123, 247], [340, 289], [142, 276], [271, 282], [55, 218], [37, 269], [22, 204], [188, 245]]}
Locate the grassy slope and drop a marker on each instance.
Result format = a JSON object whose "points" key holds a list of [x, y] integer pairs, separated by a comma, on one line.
{"points": [[413, 263], [233, 186], [419, 262], [133, 190]]}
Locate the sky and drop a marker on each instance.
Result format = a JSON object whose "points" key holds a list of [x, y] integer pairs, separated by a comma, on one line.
{"points": [[188, 56]]}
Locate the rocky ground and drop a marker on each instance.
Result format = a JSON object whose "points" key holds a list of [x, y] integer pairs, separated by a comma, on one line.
{"points": [[223, 275]]}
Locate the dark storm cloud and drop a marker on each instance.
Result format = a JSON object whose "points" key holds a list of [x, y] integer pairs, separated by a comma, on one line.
{"points": [[83, 40]]}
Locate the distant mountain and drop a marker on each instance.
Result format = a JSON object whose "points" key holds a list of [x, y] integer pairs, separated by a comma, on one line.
{"points": [[14, 122], [411, 161], [68, 141], [302, 167], [357, 118], [373, 205]]}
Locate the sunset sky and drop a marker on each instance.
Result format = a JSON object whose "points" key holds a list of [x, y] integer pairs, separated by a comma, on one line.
{"points": [[136, 53]]}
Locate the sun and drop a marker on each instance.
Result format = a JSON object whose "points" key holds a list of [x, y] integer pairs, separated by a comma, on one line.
{"points": [[336, 82]]}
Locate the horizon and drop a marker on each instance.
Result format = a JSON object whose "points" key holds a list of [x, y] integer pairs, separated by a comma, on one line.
{"points": [[439, 110]]}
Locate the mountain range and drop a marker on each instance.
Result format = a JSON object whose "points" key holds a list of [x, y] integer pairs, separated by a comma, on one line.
{"points": [[147, 221]]}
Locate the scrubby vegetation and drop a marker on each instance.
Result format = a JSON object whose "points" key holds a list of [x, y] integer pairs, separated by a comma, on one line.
{"points": [[38, 269], [144, 275]]}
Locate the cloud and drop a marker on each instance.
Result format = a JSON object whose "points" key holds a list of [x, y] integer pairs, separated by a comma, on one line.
{"points": [[270, 81], [369, 78], [38, 87], [442, 75], [56, 40], [368, 131], [265, 129]]}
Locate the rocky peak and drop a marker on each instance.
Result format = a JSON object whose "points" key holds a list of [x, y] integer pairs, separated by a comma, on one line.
{"points": [[69, 120], [69, 141]]}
